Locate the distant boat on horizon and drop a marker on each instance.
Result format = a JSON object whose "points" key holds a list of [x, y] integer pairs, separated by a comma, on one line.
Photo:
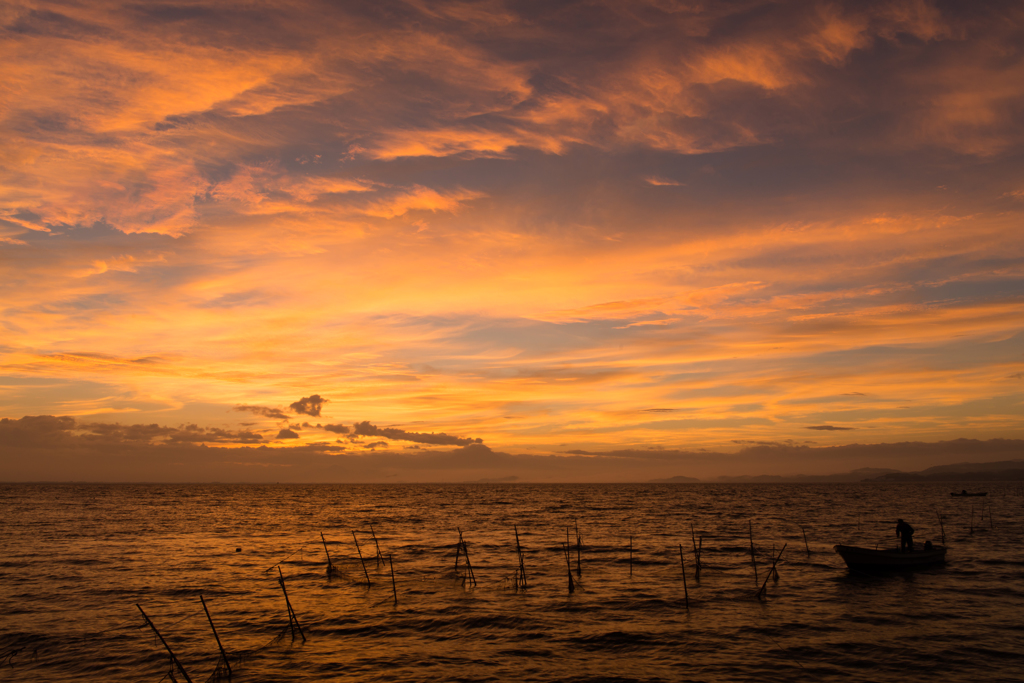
{"points": [[964, 493]]}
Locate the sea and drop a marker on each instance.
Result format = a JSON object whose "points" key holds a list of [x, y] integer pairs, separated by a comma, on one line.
{"points": [[102, 582]]}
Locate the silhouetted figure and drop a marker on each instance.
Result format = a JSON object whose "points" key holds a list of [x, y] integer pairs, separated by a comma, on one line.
{"points": [[906, 534]]}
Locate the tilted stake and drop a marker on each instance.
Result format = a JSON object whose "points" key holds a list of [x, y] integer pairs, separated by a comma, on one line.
{"points": [[696, 553], [394, 588], [522, 564], [380, 558], [223, 654], [293, 619], [568, 565], [753, 559], [805, 542], [579, 542], [764, 586], [361, 560], [686, 593], [169, 650], [330, 565]]}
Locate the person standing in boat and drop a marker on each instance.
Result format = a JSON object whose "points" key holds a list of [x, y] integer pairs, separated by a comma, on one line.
{"points": [[906, 534]]}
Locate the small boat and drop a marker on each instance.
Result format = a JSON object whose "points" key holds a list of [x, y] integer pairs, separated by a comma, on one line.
{"points": [[964, 493], [890, 558]]}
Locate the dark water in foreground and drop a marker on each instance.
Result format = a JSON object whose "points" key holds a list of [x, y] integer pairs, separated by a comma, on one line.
{"points": [[76, 558]]}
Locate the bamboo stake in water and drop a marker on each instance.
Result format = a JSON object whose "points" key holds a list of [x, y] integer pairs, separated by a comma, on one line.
{"points": [[217, 637], [631, 556], [942, 529], [361, 560], [394, 588], [696, 553], [522, 564], [753, 559], [469, 567], [579, 542], [764, 586], [458, 551], [805, 541], [168, 647], [568, 565], [380, 558], [686, 592], [330, 565], [293, 618]]}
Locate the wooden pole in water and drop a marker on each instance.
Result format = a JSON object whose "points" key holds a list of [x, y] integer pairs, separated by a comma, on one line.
{"points": [[686, 592], [380, 558], [293, 618], [217, 637], [972, 520], [631, 556], [522, 564], [805, 541], [700, 551], [568, 564], [696, 553], [753, 558], [579, 542], [764, 586], [330, 565], [458, 551], [942, 529], [361, 560], [465, 551], [168, 647], [394, 588]]}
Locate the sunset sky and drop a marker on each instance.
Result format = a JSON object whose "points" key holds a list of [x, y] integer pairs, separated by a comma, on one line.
{"points": [[539, 229]]}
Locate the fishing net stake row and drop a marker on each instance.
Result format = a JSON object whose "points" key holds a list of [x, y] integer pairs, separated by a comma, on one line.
{"points": [[293, 619], [174, 658]]}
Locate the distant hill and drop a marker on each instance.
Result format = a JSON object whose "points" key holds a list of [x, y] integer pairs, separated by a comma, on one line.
{"points": [[862, 474], [1003, 470], [675, 480]]}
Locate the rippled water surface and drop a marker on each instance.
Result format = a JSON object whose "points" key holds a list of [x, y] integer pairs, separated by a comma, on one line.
{"points": [[78, 558]]}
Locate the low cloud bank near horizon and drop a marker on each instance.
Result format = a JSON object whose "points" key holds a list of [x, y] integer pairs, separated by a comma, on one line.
{"points": [[48, 448]]}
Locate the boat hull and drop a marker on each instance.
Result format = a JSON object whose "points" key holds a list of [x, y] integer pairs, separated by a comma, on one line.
{"points": [[868, 558]]}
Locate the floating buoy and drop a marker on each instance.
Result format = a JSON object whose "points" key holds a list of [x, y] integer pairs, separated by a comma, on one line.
{"points": [[238, 550]]}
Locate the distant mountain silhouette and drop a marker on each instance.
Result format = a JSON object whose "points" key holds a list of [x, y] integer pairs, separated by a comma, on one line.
{"points": [[1003, 470], [675, 480], [862, 474]]}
